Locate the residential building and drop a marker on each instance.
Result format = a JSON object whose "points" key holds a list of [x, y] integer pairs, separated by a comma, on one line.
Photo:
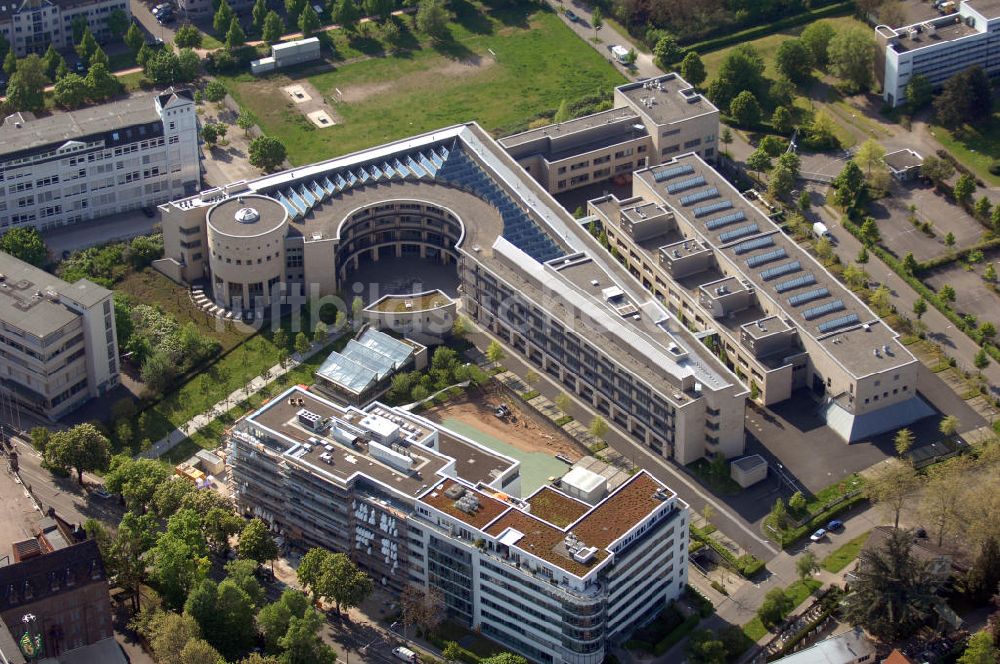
{"points": [[29, 26], [58, 577], [58, 344], [529, 273], [651, 121], [851, 647], [556, 576], [68, 168], [943, 43], [202, 8], [772, 312]]}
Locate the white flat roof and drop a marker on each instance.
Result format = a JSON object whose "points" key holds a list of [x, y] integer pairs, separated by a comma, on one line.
{"points": [[583, 479], [380, 425]]}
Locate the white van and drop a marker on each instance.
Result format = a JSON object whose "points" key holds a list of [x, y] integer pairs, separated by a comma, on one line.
{"points": [[820, 230], [621, 54], [405, 654]]}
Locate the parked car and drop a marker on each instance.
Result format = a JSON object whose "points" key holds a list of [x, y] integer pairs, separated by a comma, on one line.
{"points": [[149, 211], [835, 526], [405, 654], [571, 15], [80, 68], [100, 492], [818, 535]]}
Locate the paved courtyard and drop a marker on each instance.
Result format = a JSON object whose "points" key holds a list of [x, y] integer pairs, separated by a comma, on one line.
{"points": [[394, 276]]}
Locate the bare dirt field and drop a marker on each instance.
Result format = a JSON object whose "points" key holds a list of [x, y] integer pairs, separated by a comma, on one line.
{"points": [[519, 430], [415, 81]]}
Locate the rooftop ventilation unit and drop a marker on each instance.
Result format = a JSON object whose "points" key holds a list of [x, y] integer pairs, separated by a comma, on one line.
{"points": [[310, 420], [455, 491]]}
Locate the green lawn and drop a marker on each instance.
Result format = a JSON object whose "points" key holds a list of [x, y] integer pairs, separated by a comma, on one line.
{"points": [[539, 62], [768, 46], [844, 554], [123, 60], [975, 146], [796, 593]]}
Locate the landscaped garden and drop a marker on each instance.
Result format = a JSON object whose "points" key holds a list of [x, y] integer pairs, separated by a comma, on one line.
{"points": [[501, 68]]}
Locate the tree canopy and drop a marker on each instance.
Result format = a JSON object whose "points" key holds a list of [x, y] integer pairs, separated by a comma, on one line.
{"points": [[25, 243], [80, 448]]}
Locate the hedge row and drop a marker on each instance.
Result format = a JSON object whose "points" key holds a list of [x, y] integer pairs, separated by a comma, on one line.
{"points": [[922, 289], [709, 45], [962, 254], [789, 537], [746, 564]]}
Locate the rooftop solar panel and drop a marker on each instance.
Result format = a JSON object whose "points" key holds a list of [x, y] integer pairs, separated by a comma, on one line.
{"points": [[725, 220], [780, 270], [808, 296], [699, 196], [673, 172], [713, 207], [823, 309], [761, 259], [837, 323], [750, 245], [690, 183], [737, 233], [797, 282]]}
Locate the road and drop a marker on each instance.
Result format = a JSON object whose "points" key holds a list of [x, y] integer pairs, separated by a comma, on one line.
{"points": [[584, 27]]}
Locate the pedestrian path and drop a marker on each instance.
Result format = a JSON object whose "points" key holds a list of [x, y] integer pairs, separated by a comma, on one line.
{"points": [[202, 420]]}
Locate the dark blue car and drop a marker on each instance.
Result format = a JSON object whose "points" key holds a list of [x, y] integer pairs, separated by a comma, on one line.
{"points": [[835, 525]]}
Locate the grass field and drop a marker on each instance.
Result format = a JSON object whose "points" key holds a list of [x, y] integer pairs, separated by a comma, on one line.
{"points": [[539, 62], [844, 554], [796, 593], [768, 46], [975, 146]]}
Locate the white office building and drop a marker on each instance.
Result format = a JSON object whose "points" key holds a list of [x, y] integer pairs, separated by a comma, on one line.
{"points": [[68, 168], [947, 41], [557, 576]]}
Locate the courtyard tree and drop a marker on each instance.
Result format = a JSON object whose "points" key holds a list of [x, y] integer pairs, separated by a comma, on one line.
{"points": [[245, 121], [235, 37], [223, 18], [134, 38], [980, 649], [187, 36], [794, 60], [903, 441], [948, 425], [257, 543], [745, 110], [919, 92], [894, 592], [774, 608], [26, 86], [309, 21], [936, 169], [849, 190], [598, 427], [852, 58], [117, 22], [947, 293], [424, 609], [495, 353], [869, 231], [781, 120], [209, 134], [693, 69], [274, 28], [871, 155], [86, 45], [101, 83], [806, 565], [346, 14], [965, 188], [759, 161], [26, 244], [259, 14], [267, 153], [816, 36], [80, 448], [891, 486]]}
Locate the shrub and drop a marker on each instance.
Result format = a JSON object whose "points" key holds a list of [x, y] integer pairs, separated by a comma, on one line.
{"points": [[995, 167]]}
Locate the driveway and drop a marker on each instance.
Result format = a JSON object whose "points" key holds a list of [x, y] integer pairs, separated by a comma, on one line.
{"points": [[608, 36]]}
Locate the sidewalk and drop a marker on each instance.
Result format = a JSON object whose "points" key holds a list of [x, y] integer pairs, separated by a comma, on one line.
{"points": [[200, 421]]}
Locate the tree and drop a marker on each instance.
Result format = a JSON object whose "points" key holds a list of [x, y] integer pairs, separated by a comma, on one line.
{"points": [[320, 332], [806, 565], [965, 98], [177, 567], [693, 69], [274, 27], [871, 155], [598, 427], [855, 277], [774, 608], [947, 293], [302, 643], [918, 92], [310, 570], [209, 134], [893, 592], [982, 208], [224, 613], [223, 18], [597, 20], [187, 36], [10, 63], [302, 345], [259, 14], [563, 402], [948, 425], [862, 256], [495, 353], [726, 139], [134, 39], [910, 264], [168, 632], [357, 309], [25, 89], [101, 83], [781, 120], [504, 658], [981, 360], [273, 620], [816, 37], [124, 555], [346, 14], [903, 441], [980, 650], [98, 57], [218, 526], [309, 21], [781, 181], [135, 479], [941, 496], [378, 9], [266, 153], [86, 45], [852, 58], [244, 574], [759, 161], [794, 60], [256, 542], [433, 18], [965, 188], [984, 576], [849, 187], [452, 652], [667, 51], [51, 61], [214, 91], [797, 503], [880, 300], [745, 110], [988, 330], [891, 486], [562, 113], [26, 244], [743, 69], [423, 608], [81, 448], [705, 647], [235, 37], [199, 651], [936, 170], [117, 22], [245, 121]]}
